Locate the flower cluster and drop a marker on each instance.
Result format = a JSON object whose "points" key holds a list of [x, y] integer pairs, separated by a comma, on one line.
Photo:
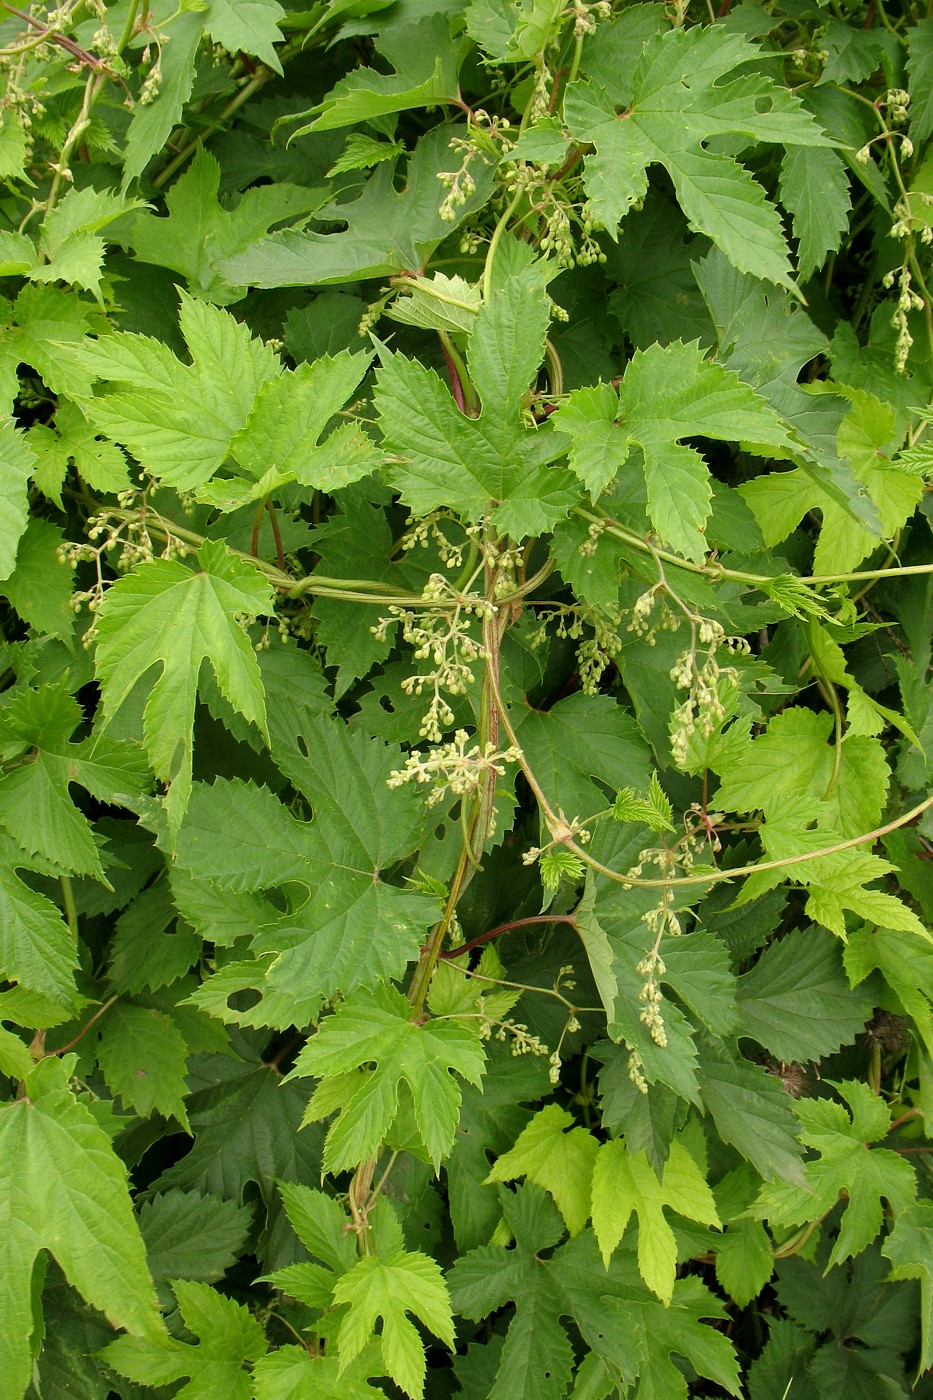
{"points": [[442, 633], [487, 138], [452, 767], [702, 711]]}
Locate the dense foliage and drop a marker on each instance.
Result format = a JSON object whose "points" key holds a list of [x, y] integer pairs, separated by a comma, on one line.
{"points": [[466, 731]]}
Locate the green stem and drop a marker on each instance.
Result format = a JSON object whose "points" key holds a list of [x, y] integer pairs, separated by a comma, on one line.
{"points": [[68, 901], [246, 92], [496, 239], [719, 571]]}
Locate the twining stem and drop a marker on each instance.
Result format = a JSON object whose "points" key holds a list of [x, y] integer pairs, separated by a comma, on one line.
{"points": [[562, 832], [101, 1010], [717, 571], [533, 921]]}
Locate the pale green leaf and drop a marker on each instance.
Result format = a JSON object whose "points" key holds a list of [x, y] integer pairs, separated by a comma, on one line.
{"points": [[228, 1334], [15, 1059], [559, 1161], [624, 1183], [178, 420], [390, 1289], [164, 614], [17, 461], [63, 1188], [377, 1030], [292, 1373]]}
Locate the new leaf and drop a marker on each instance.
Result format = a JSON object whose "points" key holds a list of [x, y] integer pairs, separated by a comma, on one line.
{"points": [[377, 1030], [228, 1337], [164, 614], [390, 1289], [624, 1183]]}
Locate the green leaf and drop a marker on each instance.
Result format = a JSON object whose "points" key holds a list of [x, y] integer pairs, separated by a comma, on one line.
{"points": [[377, 1030], [342, 926], [65, 1190], [178, 420], [40, 585], [390, 1289], [37, 948], [198, 232], [559, 1161], [581, 747], [152, 123], [388, 230], [164, 614], [245, 1124], [249, 26], [672, 392], [796, 1001], [815, 189], [143, 1057], [920, 70], [632, 1333], [426, 59], [845, 1167], [228, 1337], [36, 807], [685, 93], [624, 1183], [751, 1111], [744, 1261], [191, 1235], [17, 461], [445, 457], [910, 1250]]}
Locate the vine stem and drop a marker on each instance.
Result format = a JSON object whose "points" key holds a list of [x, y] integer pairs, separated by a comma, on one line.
{"points": [[101, 1010], [562, 833], [533, 921], [262, 76], [719, 571]]}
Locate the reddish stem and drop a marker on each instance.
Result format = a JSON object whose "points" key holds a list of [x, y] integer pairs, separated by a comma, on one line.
{"points": [[455, 384], [507, 928]]}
